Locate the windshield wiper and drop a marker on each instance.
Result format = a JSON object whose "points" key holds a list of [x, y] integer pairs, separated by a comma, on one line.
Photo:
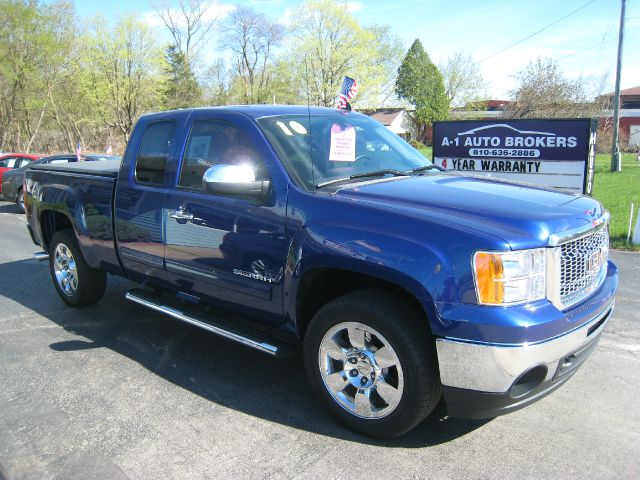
{"points": [[424, 168], [376, 173], [379, 173]]}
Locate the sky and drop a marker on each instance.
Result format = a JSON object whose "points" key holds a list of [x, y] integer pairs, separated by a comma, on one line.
{"points": [[584, 43]]}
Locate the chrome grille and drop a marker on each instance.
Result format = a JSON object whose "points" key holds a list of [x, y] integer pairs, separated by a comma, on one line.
{"points": [[582, 264]]}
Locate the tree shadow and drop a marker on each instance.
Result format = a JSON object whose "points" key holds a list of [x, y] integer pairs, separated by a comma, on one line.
{"points": [[202, 363]]}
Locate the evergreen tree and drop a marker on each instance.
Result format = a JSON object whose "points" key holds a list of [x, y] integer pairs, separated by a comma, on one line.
{"points": [[420, 83], [181, 87]]}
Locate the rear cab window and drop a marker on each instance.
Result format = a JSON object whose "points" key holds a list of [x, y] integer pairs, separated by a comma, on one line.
{"points": [[153, 153]]}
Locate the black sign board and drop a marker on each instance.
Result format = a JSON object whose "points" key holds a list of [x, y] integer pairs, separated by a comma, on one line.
{"points": [[550, 153]]}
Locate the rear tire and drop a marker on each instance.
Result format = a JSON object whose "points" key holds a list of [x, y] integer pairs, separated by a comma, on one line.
{"points": [[371, 361], [77, 283]]}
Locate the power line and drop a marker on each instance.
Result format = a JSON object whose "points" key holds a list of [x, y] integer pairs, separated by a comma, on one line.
{"points": [[581, 51], [601, 43], [539, 31]]}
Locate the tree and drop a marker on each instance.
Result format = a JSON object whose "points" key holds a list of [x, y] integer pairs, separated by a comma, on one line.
{"points": [[251, 37], [217, 83], [123, 72], [463, 81], [326, 43], [34, 40], [543, 92], [181, 87], [190, 24], [420, 83]]}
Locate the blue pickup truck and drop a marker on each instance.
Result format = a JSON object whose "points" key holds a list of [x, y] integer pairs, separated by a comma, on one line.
{"points": [[291, 229]]}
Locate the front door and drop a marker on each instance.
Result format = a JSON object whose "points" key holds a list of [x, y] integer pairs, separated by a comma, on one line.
{"points": [[219, 247]]}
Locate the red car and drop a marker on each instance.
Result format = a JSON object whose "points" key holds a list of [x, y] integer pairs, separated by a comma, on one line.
{"points": [[10, 161]]}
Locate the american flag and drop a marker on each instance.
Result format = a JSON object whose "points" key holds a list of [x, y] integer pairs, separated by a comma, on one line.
{"points": [[347, 92], [78, 150]]}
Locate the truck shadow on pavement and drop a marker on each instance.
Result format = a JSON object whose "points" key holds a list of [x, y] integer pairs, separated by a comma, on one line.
{"points": [[10, 208], [211, 367]]}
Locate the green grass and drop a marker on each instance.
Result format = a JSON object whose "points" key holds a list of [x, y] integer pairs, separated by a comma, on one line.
{"points": [[426, 151], [615, 190]]}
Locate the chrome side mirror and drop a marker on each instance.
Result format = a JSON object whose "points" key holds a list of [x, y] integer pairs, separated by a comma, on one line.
{"points": [[236, 180]]}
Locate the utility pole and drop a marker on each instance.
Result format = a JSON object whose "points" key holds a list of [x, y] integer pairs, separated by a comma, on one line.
{"points": [[616, 163]]}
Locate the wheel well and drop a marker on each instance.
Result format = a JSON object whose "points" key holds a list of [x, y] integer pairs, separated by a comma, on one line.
{"points": [[321, 285], [50, 223]]}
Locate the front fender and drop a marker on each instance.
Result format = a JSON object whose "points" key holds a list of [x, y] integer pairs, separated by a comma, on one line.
{"points": [[422, 271]]}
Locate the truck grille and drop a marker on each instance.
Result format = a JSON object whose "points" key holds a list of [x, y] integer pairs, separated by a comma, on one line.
{"points": [[582, 264]]}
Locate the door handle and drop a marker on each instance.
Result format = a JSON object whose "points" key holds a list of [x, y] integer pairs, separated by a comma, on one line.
{"points": [[181, 215]]}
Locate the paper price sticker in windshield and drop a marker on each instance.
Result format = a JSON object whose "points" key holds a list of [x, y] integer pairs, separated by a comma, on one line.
{"points": [[343, 144]]}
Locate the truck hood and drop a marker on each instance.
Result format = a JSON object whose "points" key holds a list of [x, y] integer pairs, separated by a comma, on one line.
{"points": [[521, 215]]}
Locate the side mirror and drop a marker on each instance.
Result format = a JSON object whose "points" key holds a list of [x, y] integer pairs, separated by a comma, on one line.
{"points": [[236, 180]]}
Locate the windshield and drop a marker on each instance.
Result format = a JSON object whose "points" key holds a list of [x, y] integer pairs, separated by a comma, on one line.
{"points": [[341, 145]]}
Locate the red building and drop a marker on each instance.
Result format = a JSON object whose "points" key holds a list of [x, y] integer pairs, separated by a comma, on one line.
{"points": [[629, 117]]}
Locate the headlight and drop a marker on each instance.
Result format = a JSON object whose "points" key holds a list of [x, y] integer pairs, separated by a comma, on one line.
{"points": [[505, 278]]}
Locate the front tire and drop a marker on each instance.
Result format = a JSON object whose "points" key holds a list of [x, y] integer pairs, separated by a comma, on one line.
{"points": [[77, 283], [371, 361]]}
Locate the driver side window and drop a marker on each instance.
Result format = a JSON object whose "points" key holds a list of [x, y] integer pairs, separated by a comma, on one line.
{"points": [[214, 143]]}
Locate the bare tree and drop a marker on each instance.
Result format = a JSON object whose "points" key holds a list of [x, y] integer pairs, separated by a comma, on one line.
{"points": [[217, 83], [543, 92], [190, 24], [251, 36], [463, 81]]}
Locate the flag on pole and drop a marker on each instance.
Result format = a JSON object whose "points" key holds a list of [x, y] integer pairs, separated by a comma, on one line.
{"points": [[347, 92], [109, 150], [78, 150]]}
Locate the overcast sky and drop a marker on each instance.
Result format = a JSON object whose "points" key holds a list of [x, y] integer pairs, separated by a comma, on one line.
{"points": [[584, 43]]}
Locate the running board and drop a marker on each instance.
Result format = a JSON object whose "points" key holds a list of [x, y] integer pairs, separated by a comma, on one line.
{"points": [[157, 303], [41, 256]]}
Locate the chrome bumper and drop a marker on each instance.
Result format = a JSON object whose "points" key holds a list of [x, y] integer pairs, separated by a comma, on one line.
{"points": [[491, 368]]}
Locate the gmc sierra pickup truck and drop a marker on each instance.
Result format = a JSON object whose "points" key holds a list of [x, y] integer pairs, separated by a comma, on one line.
{"points": [[286, 227]]}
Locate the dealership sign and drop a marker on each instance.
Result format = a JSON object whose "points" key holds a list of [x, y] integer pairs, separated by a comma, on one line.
{"points": [[550, 153]]}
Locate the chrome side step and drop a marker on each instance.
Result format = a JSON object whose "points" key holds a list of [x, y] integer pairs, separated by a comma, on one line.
{"points": [[156, 303], [41, 256]]}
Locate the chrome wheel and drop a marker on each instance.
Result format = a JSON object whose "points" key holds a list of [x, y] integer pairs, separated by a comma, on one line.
{"points": [[361, 370], [64, 266]]}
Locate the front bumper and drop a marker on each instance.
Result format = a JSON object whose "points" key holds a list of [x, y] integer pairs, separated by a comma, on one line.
{"points": [[482, 380]]}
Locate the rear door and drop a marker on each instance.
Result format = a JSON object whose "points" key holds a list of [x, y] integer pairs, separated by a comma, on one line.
{"points": [[140, 194], [224, 248]]}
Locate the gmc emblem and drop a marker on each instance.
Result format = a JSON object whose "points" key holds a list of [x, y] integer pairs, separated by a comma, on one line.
{"points": [[594, 261]]}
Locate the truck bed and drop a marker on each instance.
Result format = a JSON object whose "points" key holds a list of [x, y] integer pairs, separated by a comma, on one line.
{"points": [[82, 193], [107, 168]]}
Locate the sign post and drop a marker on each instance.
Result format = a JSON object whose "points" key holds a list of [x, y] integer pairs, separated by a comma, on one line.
{"points": [[550, 153]]}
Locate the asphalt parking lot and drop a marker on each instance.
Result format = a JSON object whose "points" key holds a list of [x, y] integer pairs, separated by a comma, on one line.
{"points": [[115, 391]]}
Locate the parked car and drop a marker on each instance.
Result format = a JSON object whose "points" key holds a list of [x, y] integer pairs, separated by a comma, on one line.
{"points": [[13, 179], [13, 161], [280, 228]]}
